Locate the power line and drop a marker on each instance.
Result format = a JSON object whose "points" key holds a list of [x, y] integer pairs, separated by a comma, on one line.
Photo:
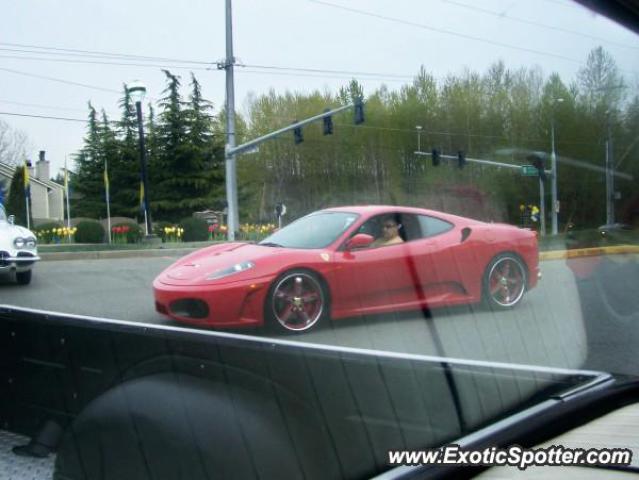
{"points": [[94, 53], [47, 117], [338, 72], [536, 24], [101, 62], [440, 133], [59, 80], [445, 31], [209, 64], [52, 107], [310, 75]]}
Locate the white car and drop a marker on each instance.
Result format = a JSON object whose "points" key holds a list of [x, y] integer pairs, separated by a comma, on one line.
{"points": [[18, 249]]}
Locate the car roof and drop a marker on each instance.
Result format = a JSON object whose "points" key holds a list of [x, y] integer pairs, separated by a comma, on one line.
{"points": [[369, 210]]}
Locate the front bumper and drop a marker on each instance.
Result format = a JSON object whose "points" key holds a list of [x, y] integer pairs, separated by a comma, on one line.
{"points": [[20, 263], [221, 305]]}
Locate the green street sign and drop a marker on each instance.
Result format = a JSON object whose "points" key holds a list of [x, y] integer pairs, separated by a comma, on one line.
{"points": [[529, 171]]}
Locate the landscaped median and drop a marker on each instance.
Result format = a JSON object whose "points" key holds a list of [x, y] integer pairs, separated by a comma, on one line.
{"points": [[97, 252], [102, 251]]}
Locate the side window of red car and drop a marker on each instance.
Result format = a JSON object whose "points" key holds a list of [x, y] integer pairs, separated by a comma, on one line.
{"points": [[431, 226], [409, 229]]}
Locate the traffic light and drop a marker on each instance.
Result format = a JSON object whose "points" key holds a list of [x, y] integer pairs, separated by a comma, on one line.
{"points": [[297, 134], [328, 124], [539, 164], [461, 159], [359, 111], [436, 158]]}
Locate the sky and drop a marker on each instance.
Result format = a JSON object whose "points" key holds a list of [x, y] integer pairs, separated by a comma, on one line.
{"points": [[48, 66]]}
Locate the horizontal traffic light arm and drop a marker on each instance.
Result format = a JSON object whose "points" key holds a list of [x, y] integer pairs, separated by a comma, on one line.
{"points": [[257, 141], [476, 160]]}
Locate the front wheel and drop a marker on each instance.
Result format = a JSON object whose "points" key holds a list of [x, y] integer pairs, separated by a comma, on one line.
{"points": [[297, 301], [504, 281], [23, 278]]}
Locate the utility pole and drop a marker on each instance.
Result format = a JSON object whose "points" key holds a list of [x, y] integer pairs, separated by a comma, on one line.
{"points": [[542, 207], [553, 168], [231, 171], [610, 181], [553, 178]]}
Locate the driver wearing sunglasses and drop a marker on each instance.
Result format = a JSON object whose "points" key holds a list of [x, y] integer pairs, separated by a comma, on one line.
{"points": [[390, 233]]}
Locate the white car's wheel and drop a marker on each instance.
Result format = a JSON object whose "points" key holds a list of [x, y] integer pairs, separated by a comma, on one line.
{"points": [[23, 278]]}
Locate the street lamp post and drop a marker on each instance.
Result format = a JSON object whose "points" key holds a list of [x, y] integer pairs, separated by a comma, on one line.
{"points": [[553, 167], [419, 138], [137, 91]]}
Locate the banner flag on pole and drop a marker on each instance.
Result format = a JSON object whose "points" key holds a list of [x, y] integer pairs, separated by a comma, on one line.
{"points": [[142, 197], [26, 181], [106, 181]]}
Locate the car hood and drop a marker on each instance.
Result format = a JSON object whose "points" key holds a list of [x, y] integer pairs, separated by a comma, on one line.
{"points": [[196, 267], [8, 232]]}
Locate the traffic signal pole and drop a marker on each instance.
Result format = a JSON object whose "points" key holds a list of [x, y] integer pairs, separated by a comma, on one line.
{"points": [[542, 207], [553, 180], [293, 126], [492, 163]]}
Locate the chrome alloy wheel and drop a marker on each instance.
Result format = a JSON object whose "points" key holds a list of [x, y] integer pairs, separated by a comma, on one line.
{"points": [[506, 281], [298, 301]]}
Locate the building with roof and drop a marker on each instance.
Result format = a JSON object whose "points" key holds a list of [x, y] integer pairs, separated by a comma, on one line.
{"points": [[47, 197]]}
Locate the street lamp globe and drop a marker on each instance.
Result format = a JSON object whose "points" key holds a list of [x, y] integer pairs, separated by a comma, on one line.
{"points": [[136, 90]]}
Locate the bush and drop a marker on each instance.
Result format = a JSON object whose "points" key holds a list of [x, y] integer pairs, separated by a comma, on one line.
{"points": [[47, 232], [126, 232], [169, 232], [158, 229], [89, 231], [195, 229]]}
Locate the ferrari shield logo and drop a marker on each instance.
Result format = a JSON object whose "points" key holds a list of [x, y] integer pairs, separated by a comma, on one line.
{"points": [[325, 256]]}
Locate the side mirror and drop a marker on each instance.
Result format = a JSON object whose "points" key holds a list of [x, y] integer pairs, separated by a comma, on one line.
{"points": [[361, 240], [12, 219]]}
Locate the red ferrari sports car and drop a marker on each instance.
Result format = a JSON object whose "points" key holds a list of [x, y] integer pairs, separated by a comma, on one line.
{"points": [[350, 261]]}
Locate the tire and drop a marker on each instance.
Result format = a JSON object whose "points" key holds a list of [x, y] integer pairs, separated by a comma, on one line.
{"points": [[504, 282], [296, 302], [23, 278]]}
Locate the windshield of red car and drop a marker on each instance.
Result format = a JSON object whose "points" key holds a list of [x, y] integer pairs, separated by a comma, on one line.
{"points": [[313, 231]]}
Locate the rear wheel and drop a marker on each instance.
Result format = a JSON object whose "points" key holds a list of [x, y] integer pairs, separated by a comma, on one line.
{"points": [[297, 301], [504, 281], [23, 278]]}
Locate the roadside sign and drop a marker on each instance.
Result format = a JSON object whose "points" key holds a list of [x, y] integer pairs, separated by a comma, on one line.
{"points": [[529, 171]]}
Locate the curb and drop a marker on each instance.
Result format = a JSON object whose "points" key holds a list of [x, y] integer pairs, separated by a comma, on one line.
{"points": [[588, 252], [112, 254], [162, 252]]}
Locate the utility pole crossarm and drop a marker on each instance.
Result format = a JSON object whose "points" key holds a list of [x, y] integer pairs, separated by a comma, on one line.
{"points": [[257, 141]]}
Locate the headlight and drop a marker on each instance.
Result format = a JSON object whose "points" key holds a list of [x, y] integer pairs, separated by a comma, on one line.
{"points": [[31, 242], [225, 272], [19, 242]]}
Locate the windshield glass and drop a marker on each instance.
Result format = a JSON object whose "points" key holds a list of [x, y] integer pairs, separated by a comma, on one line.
{"points": [[313, 231], [3, 214]]}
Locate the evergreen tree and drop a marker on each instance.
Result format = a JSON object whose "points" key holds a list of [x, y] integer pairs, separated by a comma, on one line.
{"points": [[88, 182], [185, 176], [16, 204], [124, 159]]}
